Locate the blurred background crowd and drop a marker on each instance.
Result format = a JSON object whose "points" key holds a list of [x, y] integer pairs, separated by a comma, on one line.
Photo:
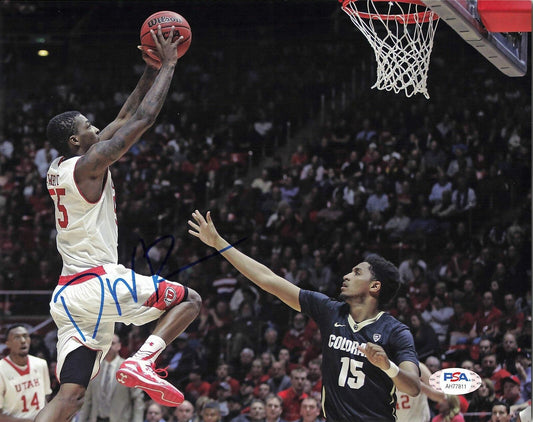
{"points": [[276, 131]]}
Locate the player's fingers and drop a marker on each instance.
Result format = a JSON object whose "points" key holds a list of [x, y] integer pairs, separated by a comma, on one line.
{"points": [[208, 215], [198, 217], [179, 40], [171, 34], [194, 225], [194, 233]]}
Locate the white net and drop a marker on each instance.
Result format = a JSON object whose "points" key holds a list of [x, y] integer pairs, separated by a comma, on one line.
{"points": [[401, 35]]}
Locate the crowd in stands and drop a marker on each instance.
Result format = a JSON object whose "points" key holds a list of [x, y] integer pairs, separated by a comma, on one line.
{"points": [[441, 187]]}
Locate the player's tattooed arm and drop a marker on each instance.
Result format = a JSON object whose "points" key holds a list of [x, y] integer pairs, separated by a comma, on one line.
{"points": [[132, 103]]}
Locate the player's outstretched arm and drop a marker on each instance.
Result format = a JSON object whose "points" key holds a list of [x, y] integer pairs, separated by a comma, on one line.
{"points": [[266, 279], [435, 395], [102, 154]]}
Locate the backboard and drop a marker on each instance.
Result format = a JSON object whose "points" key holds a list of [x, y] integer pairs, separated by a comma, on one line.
{"points": [[498, 29]]}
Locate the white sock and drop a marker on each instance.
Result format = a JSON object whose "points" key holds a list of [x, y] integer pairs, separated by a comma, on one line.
{"points": [[151, 349]]}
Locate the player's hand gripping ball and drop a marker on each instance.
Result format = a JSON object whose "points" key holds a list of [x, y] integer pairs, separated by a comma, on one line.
{"points": [[167, 20]]}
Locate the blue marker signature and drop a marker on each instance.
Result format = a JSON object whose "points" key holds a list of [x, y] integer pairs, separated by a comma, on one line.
{"points": [[112, 287]]}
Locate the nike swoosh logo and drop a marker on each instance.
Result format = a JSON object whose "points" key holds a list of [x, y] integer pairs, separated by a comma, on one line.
{"points": [[339, 325]]}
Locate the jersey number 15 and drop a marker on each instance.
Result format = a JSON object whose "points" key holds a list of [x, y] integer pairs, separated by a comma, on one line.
{"points": [[355, 378]]}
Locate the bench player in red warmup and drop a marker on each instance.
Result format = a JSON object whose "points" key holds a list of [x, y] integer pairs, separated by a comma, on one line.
{"points": [[94, 292]]}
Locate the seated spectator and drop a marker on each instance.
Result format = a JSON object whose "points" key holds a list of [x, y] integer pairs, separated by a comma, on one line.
{"points": [[500, 412], [222, 395], [420, 297], [402, 310], [464, 197], [441, 185], [481, 402], [444, 209], [433, 363], [507, 352], [434, 159], [279, 380], [449, 410], [197, 386], [511, 391], [486, 319], [270, 343], [422, 225], [426, 340], [438, 316], [396, 226], [320, 276], [310, 410], [469, 296], [299, 157], [256, 412], [274, 409], [246, 393], [244, 330], [234, 408], [490, 368], [211, 412], [244, 363], [460, 325], [315, 376], [183, 413], [262, 391], [223, 375], [256, 374], [293, 396], [523, 370], [294, 338], [378, 201], [155, 412], [512, 320], [184, 359]]}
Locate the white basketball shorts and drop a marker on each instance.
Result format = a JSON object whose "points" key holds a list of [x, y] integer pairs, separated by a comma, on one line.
{"points": [[86, 306]]}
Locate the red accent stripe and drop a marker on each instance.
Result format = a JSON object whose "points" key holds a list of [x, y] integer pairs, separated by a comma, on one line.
{"points": [[81, 277], [17, 368], [167, 296]]}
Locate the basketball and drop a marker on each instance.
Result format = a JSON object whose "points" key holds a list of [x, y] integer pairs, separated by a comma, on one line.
{"points": [[167, 20]]}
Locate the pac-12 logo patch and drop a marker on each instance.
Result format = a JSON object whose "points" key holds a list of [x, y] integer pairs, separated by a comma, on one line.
{"points": [[169, 296], [376, 337], [455, 381]]}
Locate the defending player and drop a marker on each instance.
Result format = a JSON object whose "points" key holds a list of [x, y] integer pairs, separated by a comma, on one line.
{"points": [[367, 353], [24, 379], [410, 409], [93, 291]]}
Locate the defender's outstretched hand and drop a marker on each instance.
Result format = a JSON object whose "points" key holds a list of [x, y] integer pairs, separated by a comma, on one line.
{"points": [[204, 228]]}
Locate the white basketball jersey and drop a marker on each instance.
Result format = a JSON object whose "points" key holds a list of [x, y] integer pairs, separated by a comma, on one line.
{"points": [[87, 232], [23, 390], [411, 409]]}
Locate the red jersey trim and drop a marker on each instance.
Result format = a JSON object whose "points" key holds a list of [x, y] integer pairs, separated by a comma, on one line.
{"points": [[21, 372], [81, 277]]}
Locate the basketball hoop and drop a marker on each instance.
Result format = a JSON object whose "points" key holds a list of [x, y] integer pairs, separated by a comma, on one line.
{"points": [[401, 34]]}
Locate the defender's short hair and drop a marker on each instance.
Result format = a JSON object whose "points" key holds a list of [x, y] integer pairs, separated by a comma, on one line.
{"points": [[12, 327], [385, 272], [60, 128]]}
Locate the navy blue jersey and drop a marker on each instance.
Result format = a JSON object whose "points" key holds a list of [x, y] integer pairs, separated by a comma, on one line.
{"points": [[353, 388]]}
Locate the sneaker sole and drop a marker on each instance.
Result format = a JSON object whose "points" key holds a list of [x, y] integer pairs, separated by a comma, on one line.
{"points": [[131, 380]]}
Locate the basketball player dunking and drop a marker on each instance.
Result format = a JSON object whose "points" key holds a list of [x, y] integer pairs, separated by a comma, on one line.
{"points": [[367, 353], [93, 291]]}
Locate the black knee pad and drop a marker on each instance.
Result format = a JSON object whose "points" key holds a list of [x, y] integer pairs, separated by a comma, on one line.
{"points": [[78, 366]]}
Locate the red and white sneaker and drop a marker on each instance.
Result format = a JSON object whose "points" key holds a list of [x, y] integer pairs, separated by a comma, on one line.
{"points": [[135, 373]]}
